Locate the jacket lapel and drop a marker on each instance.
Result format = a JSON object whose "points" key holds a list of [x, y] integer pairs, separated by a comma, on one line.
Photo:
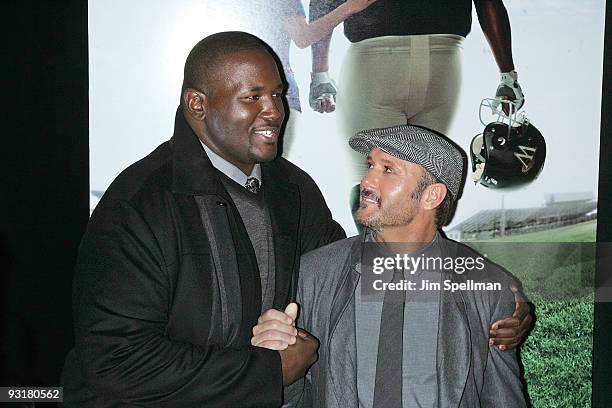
{"points": [[342, 346], [454, 342], [192, 171], [225, 279], [283, 202]]}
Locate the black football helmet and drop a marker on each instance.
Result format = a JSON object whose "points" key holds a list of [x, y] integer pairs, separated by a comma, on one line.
{"points": [[510, 152]]}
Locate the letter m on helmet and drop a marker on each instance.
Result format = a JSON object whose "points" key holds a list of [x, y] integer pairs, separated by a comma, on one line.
{"points": [[525, 156]]}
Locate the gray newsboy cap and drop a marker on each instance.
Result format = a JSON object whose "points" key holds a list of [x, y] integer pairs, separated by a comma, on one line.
{"points": [[442, 158]]}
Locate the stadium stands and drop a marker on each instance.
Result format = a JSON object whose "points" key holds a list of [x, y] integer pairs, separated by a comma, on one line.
{"points": [[559, 210]]}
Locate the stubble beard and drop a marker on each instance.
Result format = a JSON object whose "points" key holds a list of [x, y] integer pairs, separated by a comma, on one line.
{"points": [[392, 215]]}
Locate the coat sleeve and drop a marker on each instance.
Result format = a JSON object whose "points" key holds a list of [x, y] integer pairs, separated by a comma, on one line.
{"points": [[318, 228], [122, 297], [502, 386]]}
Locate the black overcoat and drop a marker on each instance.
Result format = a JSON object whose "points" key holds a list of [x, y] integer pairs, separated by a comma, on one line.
{"points": [[167, 290]]}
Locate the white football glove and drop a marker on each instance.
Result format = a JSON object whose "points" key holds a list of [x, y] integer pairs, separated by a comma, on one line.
{"points": [[509, 89], [323, 90]]}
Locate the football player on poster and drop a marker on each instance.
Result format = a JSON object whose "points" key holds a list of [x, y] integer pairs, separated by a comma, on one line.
{"points": [[403, 65], [281, 22]]}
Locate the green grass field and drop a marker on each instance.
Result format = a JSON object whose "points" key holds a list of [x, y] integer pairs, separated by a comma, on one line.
{"points": [[583, 232], [557, 277]]}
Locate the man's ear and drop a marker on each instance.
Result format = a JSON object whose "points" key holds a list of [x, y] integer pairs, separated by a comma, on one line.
{"points": [[434, 195], [195, 103]]}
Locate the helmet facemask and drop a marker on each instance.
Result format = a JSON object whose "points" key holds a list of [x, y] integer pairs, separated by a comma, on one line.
{"points": [[510, 152]]}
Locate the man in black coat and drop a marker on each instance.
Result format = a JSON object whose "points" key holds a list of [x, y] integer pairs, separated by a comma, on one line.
{"points": [[192, 243]]}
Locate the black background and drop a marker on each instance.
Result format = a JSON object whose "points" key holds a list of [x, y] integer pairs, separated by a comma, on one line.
{"points": [[45, 190]]}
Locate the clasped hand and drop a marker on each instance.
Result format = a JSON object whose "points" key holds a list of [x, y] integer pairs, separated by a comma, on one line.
{"points": [[276, 330]]}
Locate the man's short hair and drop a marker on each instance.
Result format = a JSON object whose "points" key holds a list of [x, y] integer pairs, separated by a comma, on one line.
{"points": [[203, 60]]}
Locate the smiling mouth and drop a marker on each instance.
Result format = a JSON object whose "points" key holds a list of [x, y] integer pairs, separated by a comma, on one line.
{"points": [[270, 134], [365, 202], [368, 197]]}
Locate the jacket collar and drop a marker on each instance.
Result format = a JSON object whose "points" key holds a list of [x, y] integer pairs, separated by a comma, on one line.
{"points": [[191, 167]]}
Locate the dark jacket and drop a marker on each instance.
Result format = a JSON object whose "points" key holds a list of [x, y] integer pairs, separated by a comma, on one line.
{"points": [[167, 289]]}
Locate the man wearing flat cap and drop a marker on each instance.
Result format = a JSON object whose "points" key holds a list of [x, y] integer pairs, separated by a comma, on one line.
{"points": [[402, 313]]}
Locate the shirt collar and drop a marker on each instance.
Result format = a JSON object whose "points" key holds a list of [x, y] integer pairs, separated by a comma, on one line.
{"points": [[231, 170]]}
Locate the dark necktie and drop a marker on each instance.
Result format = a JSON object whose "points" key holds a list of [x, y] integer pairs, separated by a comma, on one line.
{"points": [[388, 381], [252, 184]]}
